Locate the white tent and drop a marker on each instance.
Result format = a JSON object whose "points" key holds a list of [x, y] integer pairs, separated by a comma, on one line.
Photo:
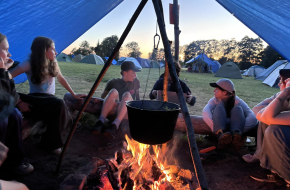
{"points": [[273, 78], [269, 70], [254, 71]]}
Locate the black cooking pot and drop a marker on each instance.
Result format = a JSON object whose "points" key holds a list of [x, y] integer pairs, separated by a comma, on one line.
{"points": [[152, 122]]}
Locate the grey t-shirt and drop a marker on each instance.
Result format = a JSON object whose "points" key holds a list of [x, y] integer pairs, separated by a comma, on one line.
{"points": [[122, 86], [47, 86]]}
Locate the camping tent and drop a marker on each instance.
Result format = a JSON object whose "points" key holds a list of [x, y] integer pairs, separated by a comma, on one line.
{"points": [[93, 59], [268, 71], [78, 58], [229, 70], [161, 64], [143, 62], [121, 60], [154, 64], [204, 58], [114, 62], [254, 71], [273, 78], [63, 57]]}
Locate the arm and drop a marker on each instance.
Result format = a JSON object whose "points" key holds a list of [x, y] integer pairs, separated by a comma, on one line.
{"points": [[263, 104], [207, 113], [65, 84], [157, 86], [104, 94], [277, 111]]}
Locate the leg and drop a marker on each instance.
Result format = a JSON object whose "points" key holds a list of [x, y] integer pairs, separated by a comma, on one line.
{"points": [[238, 119], [275, 153], [122, 109], [12, 185], [109, 102]]}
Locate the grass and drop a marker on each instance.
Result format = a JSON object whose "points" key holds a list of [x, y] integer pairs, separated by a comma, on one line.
{"points": [[81, 78]]}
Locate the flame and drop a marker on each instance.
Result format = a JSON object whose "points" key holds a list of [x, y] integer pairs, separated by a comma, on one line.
{"points": [[143, 156]]}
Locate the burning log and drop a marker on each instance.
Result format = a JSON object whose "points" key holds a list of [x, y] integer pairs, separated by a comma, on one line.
{"points": [[95, 107], [186, 174]]}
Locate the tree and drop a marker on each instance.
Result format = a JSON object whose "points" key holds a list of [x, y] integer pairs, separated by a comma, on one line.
{"points": [[133, 49], [249, 49], [269, 56], [107, 46], [84, 49]]}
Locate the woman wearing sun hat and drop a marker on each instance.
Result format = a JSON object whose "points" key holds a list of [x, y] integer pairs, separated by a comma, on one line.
{"points": [[227, 115]]}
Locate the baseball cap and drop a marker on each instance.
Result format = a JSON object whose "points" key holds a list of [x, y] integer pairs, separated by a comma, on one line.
{"points": [[285, 73], [129, 65], [225, 84]]}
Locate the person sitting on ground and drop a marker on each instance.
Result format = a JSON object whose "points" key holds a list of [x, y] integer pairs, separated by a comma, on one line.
{"points": [[274, 154], [284, 77], [41, 70], [10, 117], [227, 115], [120, 89], [190, 99]]}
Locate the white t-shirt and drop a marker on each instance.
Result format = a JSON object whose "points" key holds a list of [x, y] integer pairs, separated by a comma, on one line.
{"points": [[47, 86]]}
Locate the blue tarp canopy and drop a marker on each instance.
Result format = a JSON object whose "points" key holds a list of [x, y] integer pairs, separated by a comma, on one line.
{"points": [[269, 19], [143, 62], [215, 66], [61, 20], [114, 62]]}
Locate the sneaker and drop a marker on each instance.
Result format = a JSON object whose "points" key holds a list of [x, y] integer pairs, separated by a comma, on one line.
{"points": [[224, 139], [238, 140], [250, 158], [111, 131], [266, 176], [98, 128], [57, 151], [23, 168]]}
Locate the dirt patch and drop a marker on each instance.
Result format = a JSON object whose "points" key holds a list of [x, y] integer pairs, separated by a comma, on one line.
{"points": [[224, 170]]}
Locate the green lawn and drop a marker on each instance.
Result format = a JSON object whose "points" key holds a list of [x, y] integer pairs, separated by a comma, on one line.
{"points": [[82, 76]]}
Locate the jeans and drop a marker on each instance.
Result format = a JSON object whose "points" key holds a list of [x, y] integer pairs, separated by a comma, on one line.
{"points": [[235, 123]]}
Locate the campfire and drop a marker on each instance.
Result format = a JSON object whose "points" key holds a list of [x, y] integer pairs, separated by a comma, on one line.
{"points": [[144, 167]]}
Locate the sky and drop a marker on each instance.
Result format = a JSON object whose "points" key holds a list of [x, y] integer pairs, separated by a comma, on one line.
{"points": [[198, 20]]}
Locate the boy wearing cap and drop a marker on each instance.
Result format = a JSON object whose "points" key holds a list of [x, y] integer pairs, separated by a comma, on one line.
{"points": [[227, 115], [121, 89]]}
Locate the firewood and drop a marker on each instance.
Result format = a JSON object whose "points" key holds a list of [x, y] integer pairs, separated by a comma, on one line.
{"points": [[186, 174], [95, 107], [105, 183], [173, 169], [166, 186], [119, 157]]}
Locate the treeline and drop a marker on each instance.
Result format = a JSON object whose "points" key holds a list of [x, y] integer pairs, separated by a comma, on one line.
{"points": [[247, 52], [106, 47]]}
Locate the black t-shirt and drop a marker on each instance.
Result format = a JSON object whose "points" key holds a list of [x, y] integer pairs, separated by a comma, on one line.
{"points": [[122, 86]]}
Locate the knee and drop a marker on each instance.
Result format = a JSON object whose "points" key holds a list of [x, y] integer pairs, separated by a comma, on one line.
{"points": [[237, 109], [273, 131], [59, 103], [127, 96], [219, 109], [113, 93]]}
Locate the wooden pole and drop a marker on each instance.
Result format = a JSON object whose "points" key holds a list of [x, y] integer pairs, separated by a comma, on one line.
{"points": [[190, 132], [176, 29], [101, 75]]}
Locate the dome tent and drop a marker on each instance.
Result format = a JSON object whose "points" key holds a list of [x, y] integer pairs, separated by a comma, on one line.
{"points": [[254, 71], [63, 57], [93, 59], [229, 70], [204, 58], [143, 62], [114, 62], [78, 58], [263, 75], [154, 64], [274, 78]]}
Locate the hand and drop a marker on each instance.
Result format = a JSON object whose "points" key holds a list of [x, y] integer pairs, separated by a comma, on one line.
{"points": [[24, 107], [2, 64], [154, 93], [3, 153], [189, 97], [9, 64], [80, 96]]}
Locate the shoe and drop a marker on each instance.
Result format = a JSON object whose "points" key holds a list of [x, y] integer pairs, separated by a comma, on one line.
{"points": [[266, 176], [238, 140], [98, 128], [23, 168], [224, 139], [250, 158], [111, 131], [57, 151]]}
